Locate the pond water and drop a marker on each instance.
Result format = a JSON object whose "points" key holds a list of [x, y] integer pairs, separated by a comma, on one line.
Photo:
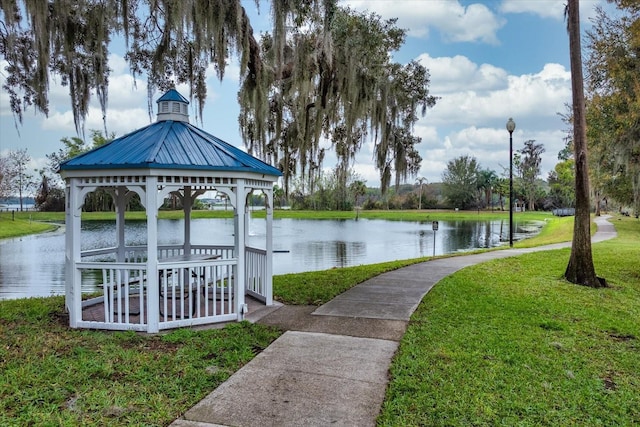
{"points": [[34, 265]]}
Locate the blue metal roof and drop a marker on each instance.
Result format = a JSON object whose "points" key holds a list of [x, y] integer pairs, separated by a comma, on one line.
{"points": [[173, 95], [169, 144]]}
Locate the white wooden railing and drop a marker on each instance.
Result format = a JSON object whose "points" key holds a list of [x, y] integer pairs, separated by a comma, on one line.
{"points": [[255, 274], [196, 292], [191, 292], [122, 305]]}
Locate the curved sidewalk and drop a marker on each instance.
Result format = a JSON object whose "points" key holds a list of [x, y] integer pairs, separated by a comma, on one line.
{"points": [[331, 365]]}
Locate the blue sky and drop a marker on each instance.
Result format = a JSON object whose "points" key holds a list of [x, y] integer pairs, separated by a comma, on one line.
{"points": [[489, 60]]}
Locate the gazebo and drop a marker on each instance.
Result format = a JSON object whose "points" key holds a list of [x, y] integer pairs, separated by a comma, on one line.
{"points": [[153, 287]]}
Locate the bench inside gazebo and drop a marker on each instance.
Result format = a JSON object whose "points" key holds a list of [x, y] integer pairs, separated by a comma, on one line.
{"points": [[153, 287]]}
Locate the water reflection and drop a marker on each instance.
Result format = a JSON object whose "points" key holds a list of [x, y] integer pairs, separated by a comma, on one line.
{"points": [[316, 254], [34, 265], [466, 235]]}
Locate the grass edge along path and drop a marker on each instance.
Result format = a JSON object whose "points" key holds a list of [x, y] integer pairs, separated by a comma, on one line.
{"points": [[509, 342], [21, 227]]}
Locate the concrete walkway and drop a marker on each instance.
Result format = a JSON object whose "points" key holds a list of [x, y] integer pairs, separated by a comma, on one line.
{"points": [[330, 367]]}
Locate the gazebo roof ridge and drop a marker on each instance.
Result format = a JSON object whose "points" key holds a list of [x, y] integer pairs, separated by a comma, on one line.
{"points": [[169, 143], [63, 164], [230, 149], [173, 95]]}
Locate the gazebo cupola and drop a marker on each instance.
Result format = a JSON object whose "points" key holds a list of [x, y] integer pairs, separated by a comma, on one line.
{"points": [[156, 284], [173, 106]]}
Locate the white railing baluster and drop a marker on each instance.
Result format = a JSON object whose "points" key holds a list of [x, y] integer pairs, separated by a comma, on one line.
{"points": [[142, 286], [126, 296], [204, 289]]}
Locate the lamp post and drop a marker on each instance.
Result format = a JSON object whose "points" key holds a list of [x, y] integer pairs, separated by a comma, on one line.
{"points": [[511, 126]]}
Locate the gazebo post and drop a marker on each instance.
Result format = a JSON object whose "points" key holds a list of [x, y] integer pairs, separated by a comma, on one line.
{"points": [[121, 204], [153, 291], [240, 249], [247, 216], [68, 246], [187, 201], [269, 223], [73, 294]]}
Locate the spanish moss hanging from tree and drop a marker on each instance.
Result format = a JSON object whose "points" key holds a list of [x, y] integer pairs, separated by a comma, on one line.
{"points": [[324, 73]]}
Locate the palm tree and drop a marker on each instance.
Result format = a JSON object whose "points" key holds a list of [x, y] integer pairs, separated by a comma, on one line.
{"points": [[420, 181], [278, 196], [580, 269], [358, 188], [529, 168], [501, 186], [486, 182]]}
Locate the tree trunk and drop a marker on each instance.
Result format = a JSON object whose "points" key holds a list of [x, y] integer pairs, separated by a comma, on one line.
{"points": [[580, 269]]}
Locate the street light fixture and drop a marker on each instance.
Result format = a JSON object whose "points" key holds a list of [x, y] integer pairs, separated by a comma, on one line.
{"points": [[511, 126]]}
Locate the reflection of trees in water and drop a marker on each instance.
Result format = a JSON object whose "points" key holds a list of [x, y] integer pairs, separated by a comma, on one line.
{"points": [[341, 253], [488, 234], [458, 236], [465, 235], [425, 242]]}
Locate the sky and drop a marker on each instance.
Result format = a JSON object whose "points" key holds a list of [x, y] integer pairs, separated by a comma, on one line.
{"points": [[488, 61]]}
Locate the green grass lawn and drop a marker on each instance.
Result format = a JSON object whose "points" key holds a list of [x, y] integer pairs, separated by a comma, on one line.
{"points": [[556, 229], [56, 376], [519, 346], [21, 225], [509, 342]]}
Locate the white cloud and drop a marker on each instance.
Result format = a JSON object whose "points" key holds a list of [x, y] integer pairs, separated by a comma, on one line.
{"points": [[118, 65], [124, 92], [490, 147], [553, 9], [119, 121], [231, 72], [547, 9], [478, 96], [455, 22], [449, 74], [367, 173], [428, 134], [476, 102], [36, 164]]}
